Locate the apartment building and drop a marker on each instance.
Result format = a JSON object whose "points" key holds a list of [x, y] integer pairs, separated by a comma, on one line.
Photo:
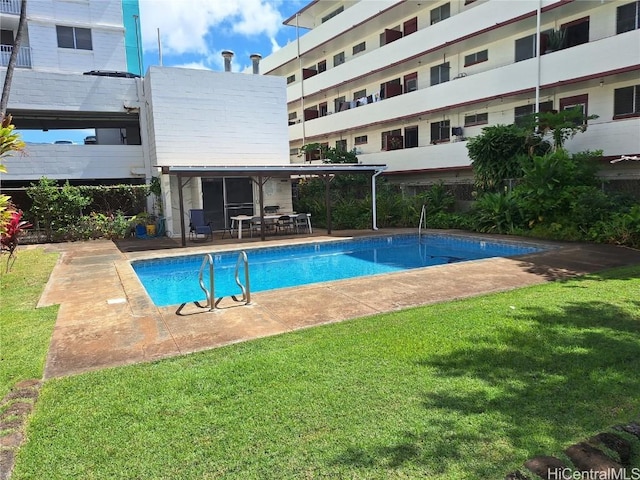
{"points": [[79, 69], [407, 83]]}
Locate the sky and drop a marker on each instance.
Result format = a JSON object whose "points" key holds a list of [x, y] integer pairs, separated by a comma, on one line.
{"points": [[193, 33]]}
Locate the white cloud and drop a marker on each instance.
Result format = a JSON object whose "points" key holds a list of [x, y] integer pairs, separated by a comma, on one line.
{"points": [[184, 25], [193, 65]]}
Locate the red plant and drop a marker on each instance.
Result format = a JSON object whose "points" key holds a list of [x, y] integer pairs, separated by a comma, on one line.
{"points": [[15, 226]]}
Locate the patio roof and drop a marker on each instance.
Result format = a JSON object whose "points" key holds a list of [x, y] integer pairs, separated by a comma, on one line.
{"points": [[264, 172], [273, 170]]}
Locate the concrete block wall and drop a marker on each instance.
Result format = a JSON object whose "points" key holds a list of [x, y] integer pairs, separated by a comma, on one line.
{"points": [[62, 162], [202, 117], [31, 90]]}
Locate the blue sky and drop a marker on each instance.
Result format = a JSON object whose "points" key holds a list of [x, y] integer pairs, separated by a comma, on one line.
{"points": [[193, 33]]}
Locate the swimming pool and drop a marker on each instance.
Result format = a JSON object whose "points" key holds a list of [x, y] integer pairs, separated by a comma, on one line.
{"points": [[172, 281]]}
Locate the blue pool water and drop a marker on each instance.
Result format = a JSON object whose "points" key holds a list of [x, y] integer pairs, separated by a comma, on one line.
{"points": [[171, 281]]}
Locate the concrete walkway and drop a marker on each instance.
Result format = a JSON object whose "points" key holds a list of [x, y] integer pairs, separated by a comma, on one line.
{"points": [[106, 318]]}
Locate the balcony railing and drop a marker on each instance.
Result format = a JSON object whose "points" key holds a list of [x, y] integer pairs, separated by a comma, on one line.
{"points": [[24, 55], [10, 6]]}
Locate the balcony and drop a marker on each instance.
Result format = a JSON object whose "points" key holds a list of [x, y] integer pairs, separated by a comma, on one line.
{"points": [[555, 69], [10, 6], [24, 55]]}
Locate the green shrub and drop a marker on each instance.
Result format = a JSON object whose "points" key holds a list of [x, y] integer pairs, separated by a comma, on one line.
{"points": [[497, 213], [622, 228], [55, 209]]}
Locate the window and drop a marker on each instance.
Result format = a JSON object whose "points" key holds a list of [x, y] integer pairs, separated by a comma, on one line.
{"points": [[6, 37], [626, 102], [628, 17], [526, 48], [291, 79], [341, 145], [392, 88], [332, 14], [392, 140], [577, 32], [411, 82], [322, 66], [580, 101], [441, 13], [411, 137], [476, 119], [521, 114], [410, 26], [322, 108], [361, 47], [359, 94], [361, 140], [440, 131], [338, 59], [74, 37], [477, 57], [337, 103], [294, 151], [440, 73]]}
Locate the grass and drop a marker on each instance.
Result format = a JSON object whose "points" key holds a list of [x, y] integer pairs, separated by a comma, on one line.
{"points": [[468, 389], [25, 331]]}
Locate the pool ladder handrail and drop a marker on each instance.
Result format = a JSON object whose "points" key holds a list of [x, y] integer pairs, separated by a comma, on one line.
{"points": [[212, 303], [423, 219]]}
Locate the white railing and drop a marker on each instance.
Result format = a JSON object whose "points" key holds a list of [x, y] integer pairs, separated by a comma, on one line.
{"points": [[10, 6], [24, 55]]}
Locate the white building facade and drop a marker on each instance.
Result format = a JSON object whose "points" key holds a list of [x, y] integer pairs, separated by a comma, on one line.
{"points": [[406, 83], [74, 72]]}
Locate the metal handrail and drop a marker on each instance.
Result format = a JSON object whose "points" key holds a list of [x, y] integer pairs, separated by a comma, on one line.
{"points": [[246, 289], [207, 260], [423, 219]]}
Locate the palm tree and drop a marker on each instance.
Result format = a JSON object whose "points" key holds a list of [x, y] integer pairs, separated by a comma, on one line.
{"points": [[13, 59]]}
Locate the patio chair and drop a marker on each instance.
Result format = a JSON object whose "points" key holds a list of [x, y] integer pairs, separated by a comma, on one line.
{"points": [[284, 224], [199, 226], [301, 223], [255, 225]]}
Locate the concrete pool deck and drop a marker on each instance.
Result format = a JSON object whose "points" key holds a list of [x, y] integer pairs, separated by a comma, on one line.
{"points": [[106, 319]]}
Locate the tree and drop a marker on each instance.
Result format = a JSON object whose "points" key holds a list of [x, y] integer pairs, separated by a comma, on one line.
{"points": [[328, 154], [9, 142], [495, 155], [4, 100], [562, 125]]}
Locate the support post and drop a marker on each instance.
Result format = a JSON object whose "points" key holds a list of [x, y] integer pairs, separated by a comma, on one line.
{"points": [[181, 202], [327, 201], [374, 208]]}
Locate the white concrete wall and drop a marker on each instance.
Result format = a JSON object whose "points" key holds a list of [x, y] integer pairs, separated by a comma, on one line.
{"points": [[63, 162], [32, 90], [200, 117], [103, 17]]}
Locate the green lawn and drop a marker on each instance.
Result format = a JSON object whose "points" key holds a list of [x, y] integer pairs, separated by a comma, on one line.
{"points": [[461, 390], [25, 332]]}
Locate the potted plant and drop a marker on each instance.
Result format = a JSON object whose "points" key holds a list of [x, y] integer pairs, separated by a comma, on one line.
{"points": [[555, 40], [144, 224]]}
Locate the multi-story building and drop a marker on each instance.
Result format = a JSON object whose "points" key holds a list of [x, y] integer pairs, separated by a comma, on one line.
{"points": [[62, 41], [73, 37], [406, 83], [79, 69]]}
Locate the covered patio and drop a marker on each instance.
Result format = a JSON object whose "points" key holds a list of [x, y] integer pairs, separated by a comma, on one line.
{"points": [[260, 174]]}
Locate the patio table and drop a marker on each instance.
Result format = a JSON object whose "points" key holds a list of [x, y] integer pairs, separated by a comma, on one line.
{"points": [[236, 221]]}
